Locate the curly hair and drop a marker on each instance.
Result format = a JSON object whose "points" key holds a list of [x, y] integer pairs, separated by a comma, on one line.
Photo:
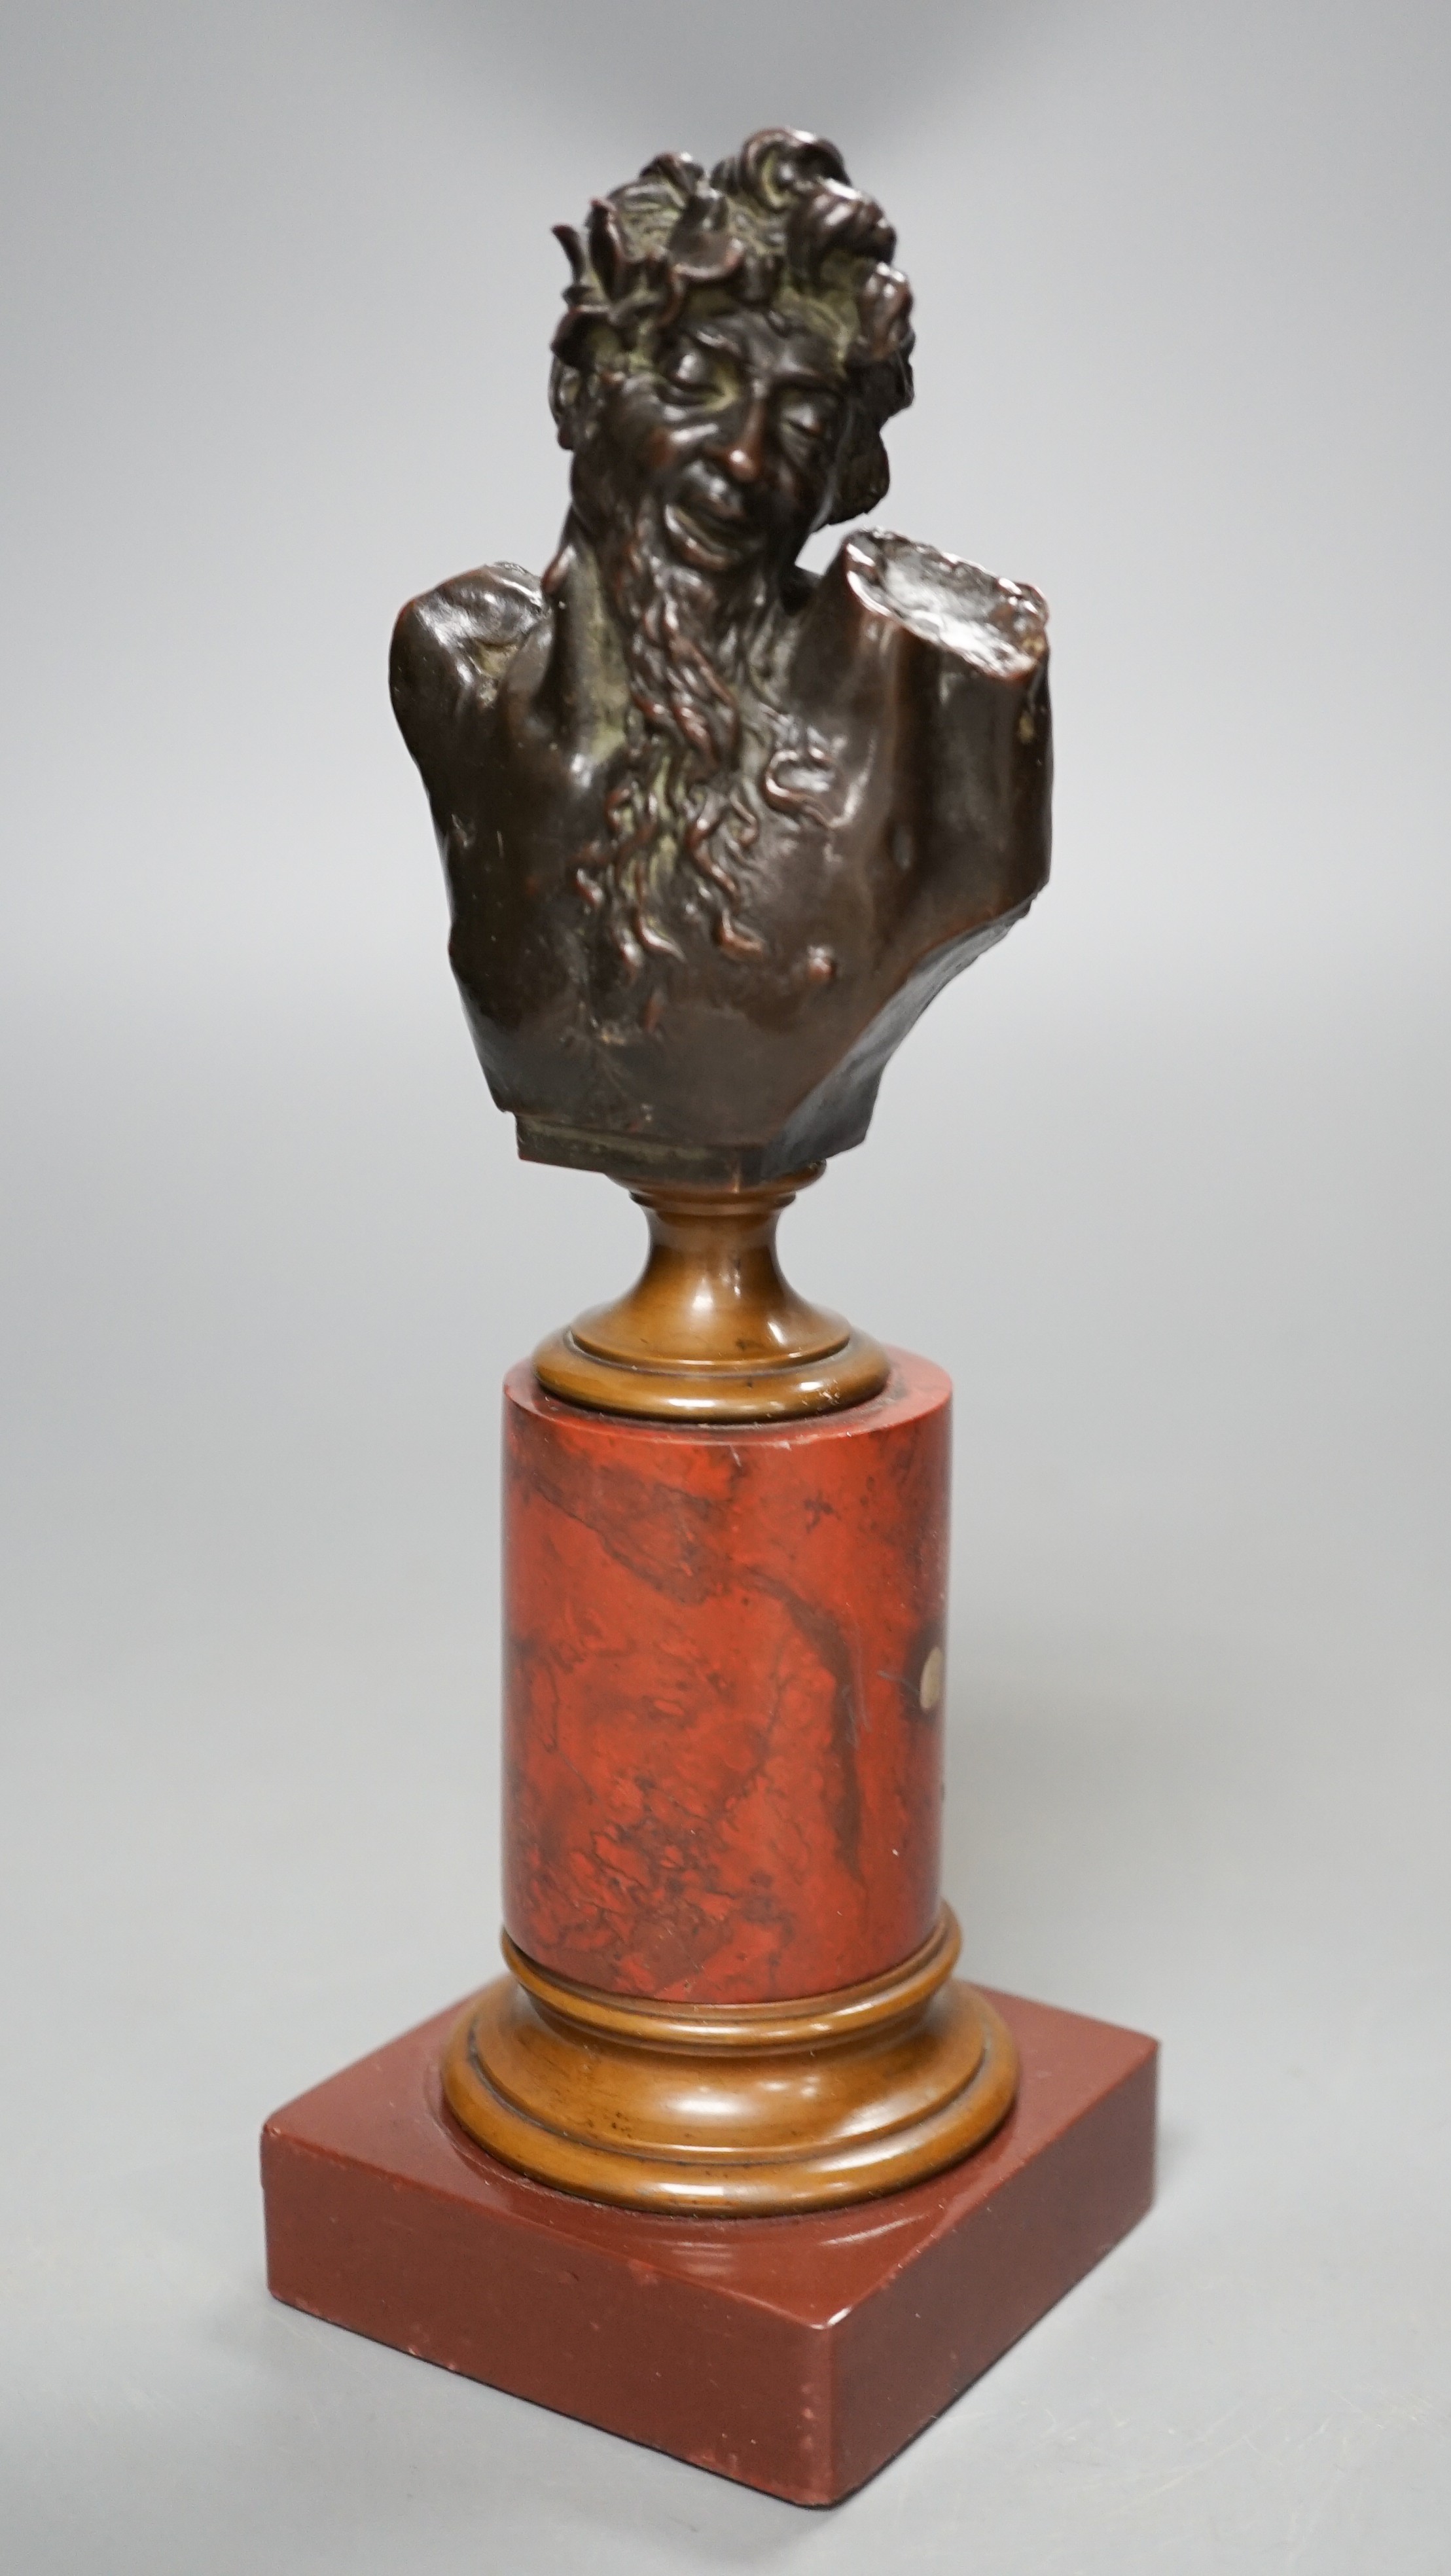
{"points": [[777, 223]]}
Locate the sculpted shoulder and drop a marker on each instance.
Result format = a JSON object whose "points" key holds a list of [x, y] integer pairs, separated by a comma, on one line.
{"points": [[927, 678], [451, 649], [884, 594]]}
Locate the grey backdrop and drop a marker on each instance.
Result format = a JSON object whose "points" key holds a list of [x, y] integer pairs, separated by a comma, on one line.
{"points": [[1163, 1182]]}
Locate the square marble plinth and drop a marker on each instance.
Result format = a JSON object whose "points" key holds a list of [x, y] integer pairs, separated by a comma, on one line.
{"points": [[796, 2354]]}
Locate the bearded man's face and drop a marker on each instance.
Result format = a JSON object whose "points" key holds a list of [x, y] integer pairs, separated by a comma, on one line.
{"points": [[735, 434]]}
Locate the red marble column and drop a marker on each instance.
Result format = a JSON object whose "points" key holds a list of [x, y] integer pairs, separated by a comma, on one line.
{"points": [[723, 1692]]}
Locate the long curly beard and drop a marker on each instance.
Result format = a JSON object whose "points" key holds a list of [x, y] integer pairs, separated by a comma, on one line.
{"points": [[707, 753]]}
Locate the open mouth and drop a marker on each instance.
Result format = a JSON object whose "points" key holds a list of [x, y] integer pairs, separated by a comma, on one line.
{"points": [[713, 537]]}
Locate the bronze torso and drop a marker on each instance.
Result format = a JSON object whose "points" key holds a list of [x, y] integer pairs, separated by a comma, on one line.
{"points": [[910, 831]]}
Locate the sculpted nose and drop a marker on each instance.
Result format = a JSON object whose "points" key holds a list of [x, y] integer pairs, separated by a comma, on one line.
{"points": [[745, 455]]}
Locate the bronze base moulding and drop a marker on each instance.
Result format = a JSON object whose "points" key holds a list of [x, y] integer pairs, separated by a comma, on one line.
{"points": [[745, 2107], [711, 1331]]}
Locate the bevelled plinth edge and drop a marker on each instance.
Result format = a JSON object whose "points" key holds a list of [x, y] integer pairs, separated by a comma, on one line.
{"points": [[733, 2110]]}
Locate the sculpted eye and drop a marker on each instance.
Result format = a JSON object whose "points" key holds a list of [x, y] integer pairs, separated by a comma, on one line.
{"points": [[688, 374], [808, 416]]}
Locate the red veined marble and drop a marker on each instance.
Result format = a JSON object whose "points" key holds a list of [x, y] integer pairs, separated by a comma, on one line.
{"points": [[723, 1692]]}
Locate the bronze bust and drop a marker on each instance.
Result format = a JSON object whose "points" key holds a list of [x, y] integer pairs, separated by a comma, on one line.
{"points": [[716, 831]]}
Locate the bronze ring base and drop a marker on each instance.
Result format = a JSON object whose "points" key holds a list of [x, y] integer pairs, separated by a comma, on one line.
{"points": [[733, 2109], [855, 1369], [711, 1332]]}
